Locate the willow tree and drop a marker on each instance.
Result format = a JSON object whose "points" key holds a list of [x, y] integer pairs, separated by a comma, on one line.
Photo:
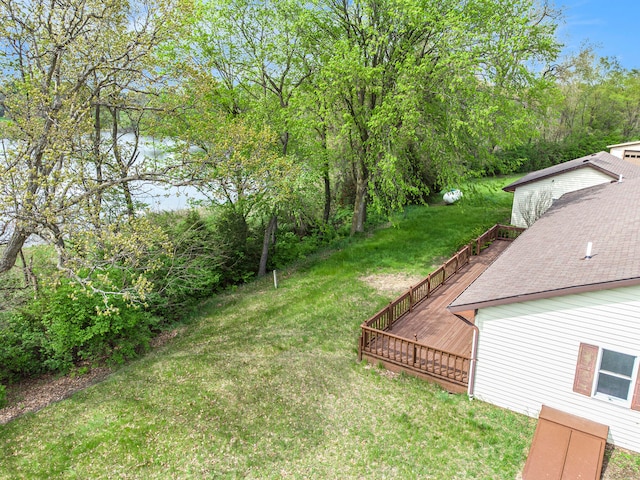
{"points": [[446, 79], [60, 61]]}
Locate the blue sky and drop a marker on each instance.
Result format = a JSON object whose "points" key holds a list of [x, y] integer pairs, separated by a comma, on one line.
{"points": [[610, 25]]}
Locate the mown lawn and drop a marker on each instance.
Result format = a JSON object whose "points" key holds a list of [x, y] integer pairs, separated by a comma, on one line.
{"points": [[266, 384]]}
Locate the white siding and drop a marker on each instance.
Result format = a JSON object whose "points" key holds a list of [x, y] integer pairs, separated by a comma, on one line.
{"points": [[524, 197], [527, 355]]}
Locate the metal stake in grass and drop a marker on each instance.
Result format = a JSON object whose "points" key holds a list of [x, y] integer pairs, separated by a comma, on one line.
{"points": [[275, 279]]}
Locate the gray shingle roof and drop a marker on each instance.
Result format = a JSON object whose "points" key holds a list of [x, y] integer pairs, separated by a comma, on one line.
{"points": [[548, 259], [602, 161]]}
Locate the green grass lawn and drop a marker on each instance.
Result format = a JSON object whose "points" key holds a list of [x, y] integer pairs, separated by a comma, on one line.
{"points": [[265, 383]]}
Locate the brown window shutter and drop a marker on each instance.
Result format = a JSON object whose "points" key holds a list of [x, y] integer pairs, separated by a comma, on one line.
{"points": [[635, 400], [585, 369]]}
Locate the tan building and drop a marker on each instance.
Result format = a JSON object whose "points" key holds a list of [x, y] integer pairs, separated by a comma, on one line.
{"points": [[629, 151]]}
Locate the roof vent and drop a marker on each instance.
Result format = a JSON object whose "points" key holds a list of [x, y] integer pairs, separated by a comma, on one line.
{"points": [[620, 178], [589, 246]]}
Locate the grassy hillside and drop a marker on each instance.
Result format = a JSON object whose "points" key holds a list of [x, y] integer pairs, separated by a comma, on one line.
{"points": [[265, 383]]}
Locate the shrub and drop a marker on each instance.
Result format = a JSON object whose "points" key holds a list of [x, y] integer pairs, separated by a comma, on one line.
{"points": [[80, 328], [21, 341], [240, 248], [193, 271], [67, 324], [290, 248]]}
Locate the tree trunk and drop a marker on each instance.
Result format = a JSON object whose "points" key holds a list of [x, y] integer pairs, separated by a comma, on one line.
{"points": [[30, 279], [327, 194], [268, 234], [360, 203], [359, 208], [97, 140], [325, 176], [124, 167], [12, 250], [128, 200]]}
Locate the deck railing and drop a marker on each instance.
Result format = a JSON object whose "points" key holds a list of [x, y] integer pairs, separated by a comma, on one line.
{"points": [[376, 342], [497, 232], [415, 356], [385, 318]]}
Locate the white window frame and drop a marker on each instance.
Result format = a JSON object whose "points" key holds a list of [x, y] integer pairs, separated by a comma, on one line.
{"points": [[634, 375]]}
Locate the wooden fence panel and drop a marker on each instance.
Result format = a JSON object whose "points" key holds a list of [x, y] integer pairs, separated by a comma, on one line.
{"points": [[399, 307], [437, 279]]}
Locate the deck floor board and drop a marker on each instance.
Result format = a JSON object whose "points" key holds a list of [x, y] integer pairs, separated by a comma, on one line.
{"points": [[430, 321]]}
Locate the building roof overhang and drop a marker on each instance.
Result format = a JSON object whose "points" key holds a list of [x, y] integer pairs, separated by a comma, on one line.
{"points": [[594, 287], [524, 181]]}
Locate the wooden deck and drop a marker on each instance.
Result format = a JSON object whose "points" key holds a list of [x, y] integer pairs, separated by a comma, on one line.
{"points": [[416, 333], [432, 324]]}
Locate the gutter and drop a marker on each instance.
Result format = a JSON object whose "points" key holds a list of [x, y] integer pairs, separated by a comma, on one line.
{"points": [[474, 353], [474, 359]]}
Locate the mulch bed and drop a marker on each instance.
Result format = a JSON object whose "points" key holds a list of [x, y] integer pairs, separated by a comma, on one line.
{"points": [[33, 394]]}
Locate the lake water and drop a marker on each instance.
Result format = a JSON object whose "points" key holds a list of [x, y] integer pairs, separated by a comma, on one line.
{"points": [[158, 197]]}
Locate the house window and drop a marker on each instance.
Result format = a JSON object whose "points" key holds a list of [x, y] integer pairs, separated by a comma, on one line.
{"points": [[608, 374], [615, 375]]}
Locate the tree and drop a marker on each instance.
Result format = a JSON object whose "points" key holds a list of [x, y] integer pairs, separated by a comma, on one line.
{"points": [[260, 54], [625, 93], [62, 63], [230, 159], [440, 75], [582, 107], [534, 205], [593, 102]]}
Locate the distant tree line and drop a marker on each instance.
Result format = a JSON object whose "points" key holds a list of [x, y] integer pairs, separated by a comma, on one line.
{"points": [[594, 103]]}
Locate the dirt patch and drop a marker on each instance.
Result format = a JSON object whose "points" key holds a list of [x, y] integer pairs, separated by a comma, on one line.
{"points": [[391, 283], [383, 372], [619, 464], [163, 337], [33, 394]]}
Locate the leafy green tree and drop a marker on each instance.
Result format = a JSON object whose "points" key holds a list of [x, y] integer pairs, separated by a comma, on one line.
{"points": [[594, 102], [231, 159], [454, 79], [625, 92], [261, 54]]}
